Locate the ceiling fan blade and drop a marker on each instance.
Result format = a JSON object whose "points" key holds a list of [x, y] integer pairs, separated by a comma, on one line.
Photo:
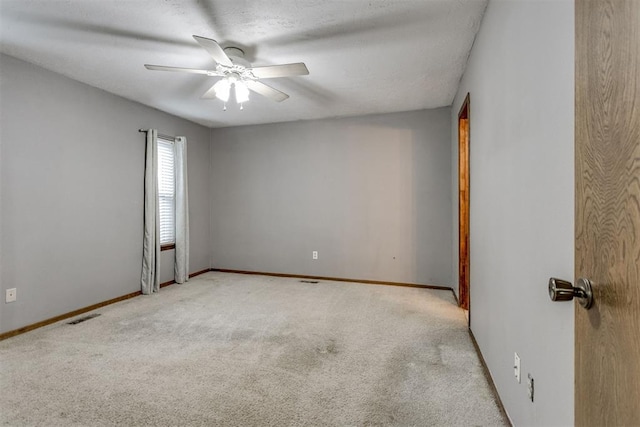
{"points": [[180, 69], [266, 91], [214, 50], [284, 70]]}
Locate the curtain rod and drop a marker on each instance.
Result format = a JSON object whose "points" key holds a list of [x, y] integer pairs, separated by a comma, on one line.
{"points": [[170, 138]]}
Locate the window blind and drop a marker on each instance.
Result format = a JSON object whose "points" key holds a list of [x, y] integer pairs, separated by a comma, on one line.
{"points": [[167, 191]]}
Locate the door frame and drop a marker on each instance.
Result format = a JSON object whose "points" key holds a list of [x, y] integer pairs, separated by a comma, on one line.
{"points": [[464, 263]]}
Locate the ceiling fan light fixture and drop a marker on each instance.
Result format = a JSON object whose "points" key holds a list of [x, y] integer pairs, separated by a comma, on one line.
{"points": [[242, 92], [222, 88]]}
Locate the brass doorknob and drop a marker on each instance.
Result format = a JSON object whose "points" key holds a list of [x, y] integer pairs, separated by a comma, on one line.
{"points": [[561, 290]]}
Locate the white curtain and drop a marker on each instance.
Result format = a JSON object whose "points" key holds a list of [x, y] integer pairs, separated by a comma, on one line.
{"points": [[150, 281], [182, 211]]}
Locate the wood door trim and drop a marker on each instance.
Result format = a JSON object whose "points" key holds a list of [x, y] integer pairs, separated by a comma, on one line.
{"points": [[464, 263]]}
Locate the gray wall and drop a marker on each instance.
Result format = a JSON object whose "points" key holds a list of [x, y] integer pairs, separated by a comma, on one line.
{"points": [[71, 193], [520, 77], [371, 194]]}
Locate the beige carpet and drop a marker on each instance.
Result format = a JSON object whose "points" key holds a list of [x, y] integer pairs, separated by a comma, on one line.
{"points": [[237, 350]]}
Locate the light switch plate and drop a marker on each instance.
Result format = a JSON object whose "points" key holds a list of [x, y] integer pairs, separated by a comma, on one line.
{"points": [[516, 366], [10, 295]]}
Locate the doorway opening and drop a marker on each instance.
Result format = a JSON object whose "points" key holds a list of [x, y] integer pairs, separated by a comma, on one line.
{"points": [[463, 205]]}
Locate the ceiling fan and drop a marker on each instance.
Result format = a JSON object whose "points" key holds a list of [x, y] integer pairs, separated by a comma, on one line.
{"points": [[237, 72]]}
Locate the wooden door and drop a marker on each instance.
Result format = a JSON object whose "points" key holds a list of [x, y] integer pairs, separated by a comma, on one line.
{"points": [[607, 142], [463, 204]]}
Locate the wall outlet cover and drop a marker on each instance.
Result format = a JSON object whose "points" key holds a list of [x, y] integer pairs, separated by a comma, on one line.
{"points": [[516, 366]]}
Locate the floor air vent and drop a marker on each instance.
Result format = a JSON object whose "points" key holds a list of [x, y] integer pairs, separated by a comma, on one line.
{"points": [[308, 281], [84, 318]]}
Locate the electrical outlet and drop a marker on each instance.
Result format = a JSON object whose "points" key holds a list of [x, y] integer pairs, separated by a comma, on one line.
{"points": [[530, 386], [315, 254], [10, 295], [516, 366]]}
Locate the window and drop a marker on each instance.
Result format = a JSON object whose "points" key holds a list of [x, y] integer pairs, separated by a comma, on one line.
{"points": [[167, 193]]}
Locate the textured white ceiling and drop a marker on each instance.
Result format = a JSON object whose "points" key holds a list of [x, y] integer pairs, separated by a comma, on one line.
{"points": [[364, 56]]}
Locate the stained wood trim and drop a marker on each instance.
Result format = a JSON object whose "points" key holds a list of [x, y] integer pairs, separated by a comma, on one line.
{"points": [[464, 264], [336, 279], [197, 273], [55, 319], [66, 315], [165, 284], [83, 310], [167, 247], [487, 375], [463, 113]]}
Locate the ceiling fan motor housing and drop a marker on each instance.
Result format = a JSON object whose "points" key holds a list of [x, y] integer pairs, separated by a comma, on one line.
{"points": [[236, 55]]}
